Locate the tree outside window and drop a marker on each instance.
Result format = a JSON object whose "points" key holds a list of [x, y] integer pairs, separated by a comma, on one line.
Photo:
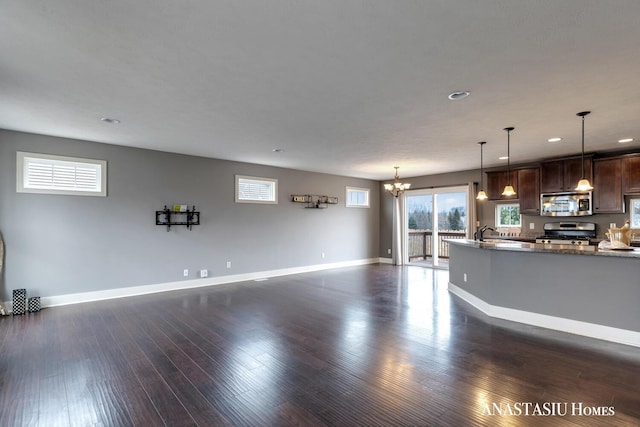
{"points": [[455, 220], [508, 215]]}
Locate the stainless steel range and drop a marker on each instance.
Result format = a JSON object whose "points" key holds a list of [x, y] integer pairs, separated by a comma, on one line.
{"points": [[568, 233]]}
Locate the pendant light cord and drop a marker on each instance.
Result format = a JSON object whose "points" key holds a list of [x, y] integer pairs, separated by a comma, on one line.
{"points": [[583, 114], [509, 129], [509, 156], [481, 168], [582, 147]]}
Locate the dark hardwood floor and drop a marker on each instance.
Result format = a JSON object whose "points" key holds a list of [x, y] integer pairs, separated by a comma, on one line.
{"points": [[375, 345]]}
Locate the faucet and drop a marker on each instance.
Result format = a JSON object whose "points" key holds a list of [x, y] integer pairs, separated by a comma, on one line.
{"points": [[479, 235]]}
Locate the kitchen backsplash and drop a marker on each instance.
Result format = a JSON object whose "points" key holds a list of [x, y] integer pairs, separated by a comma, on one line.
{"points": [[602, 222], [508, 231]]}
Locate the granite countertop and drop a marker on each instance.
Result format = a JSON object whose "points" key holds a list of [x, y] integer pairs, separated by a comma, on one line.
{"points": [[524, 246], [513, 238], [532, 239]]}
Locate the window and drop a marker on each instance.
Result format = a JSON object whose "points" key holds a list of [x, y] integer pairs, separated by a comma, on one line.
{"points": [[508, 215], [251, 189], [635, 213], [48, 174], [357, 197]]}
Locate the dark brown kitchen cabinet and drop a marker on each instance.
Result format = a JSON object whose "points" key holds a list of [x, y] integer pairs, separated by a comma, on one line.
{"points": [[552, 176], [496, 182], [573, 172], [631, 174], [607, 183], [529, 190], [563, 175]]}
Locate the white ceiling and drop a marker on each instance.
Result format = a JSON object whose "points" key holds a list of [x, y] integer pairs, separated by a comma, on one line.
{"points": [[342, 86]]}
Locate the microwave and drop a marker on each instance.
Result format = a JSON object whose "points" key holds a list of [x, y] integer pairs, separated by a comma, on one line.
{"points": [[566, 204]]}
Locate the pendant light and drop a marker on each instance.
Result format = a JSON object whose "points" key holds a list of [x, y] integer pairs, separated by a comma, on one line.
{"points": [[583, 184], [508, 189], [397, 188], [481, 194]]}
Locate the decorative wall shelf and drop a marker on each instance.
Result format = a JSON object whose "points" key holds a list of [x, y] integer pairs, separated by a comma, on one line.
{"points": [[170, 217], [314, 201]]}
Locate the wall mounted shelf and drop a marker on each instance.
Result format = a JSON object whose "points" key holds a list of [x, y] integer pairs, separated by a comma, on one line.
{"points": [[170, 217], [314, 201]]}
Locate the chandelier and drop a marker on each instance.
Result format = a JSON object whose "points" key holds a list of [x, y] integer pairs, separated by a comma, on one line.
{"points": [[397, 188]]}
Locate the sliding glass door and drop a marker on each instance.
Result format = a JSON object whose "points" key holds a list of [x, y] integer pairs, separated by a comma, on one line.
{"points": [[430, 217]]}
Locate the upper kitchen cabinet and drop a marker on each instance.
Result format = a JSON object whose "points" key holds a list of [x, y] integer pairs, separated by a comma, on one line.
{"points": [[573, 172], [607, 183], [563, 175], [552, 176], [529, 190], [496, 182], [631, 174]]}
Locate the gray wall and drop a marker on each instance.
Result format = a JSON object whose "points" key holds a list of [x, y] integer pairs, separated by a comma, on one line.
{"points": [[56, 245]]}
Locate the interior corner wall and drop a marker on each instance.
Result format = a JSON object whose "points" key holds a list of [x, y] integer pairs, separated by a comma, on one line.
{"points": [[58, 245], [386, 222]]}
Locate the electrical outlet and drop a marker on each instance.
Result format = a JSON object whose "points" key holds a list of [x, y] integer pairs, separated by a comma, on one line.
{"points": [[228, 264], [532, 226], [465, 277], [185, 272], [389, 251], [322, 255], [204, 273]]}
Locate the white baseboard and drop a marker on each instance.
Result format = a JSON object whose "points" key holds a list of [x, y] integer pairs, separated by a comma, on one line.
{"points": [[386, 261], [592, 330], [188, 284]]}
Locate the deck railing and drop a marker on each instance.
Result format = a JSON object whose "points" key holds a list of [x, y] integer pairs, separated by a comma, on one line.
{"points": [[420, 243]]}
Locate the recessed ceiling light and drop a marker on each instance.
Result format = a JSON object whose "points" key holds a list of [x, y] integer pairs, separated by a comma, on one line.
{"points": [[110, 120], [278, 150], [503, 158], [625, 140], [461, 94], [556, 139]]}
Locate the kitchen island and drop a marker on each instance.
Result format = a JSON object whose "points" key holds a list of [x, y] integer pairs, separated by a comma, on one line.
{"points": [[575, 289]]}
